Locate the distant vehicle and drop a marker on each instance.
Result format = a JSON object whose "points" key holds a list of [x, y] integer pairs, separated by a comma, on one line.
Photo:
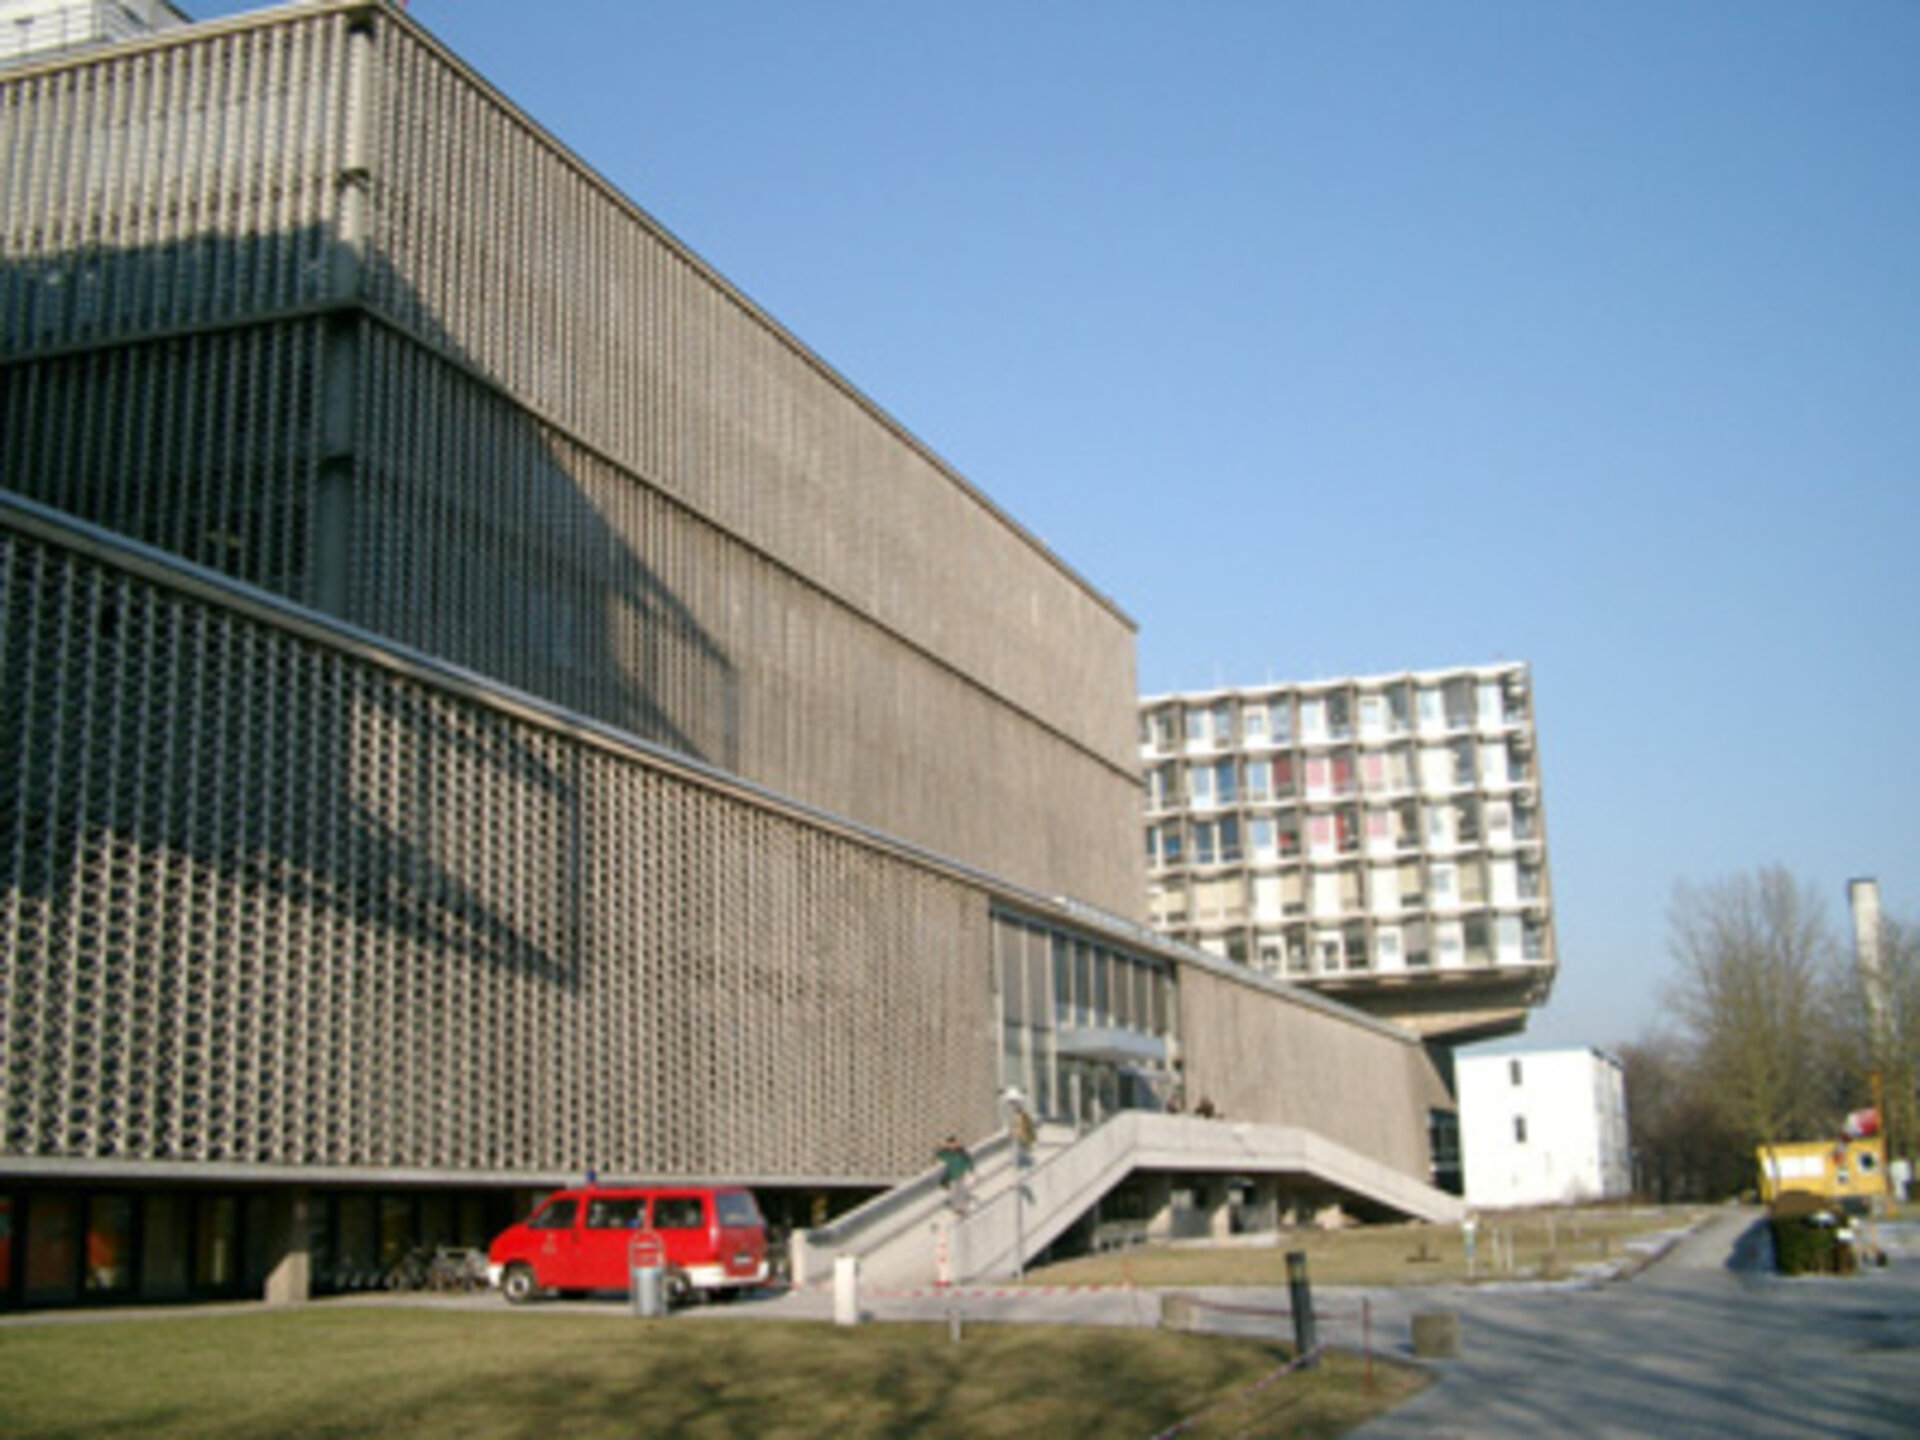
{"points": [[713, 1241], [1849, 1172]]}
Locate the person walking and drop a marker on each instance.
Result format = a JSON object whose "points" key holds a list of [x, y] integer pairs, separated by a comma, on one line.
{"points": [[956, 1167]]}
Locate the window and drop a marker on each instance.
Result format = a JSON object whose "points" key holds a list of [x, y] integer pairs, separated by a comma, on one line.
{"points": [[109, 1245], [1229, 840], [1373, 771], [1343, 774], [683, 1212], [1442, 880], [1259, 779], [1226, 786], [1253, 724], [1462, 762], [1513, 1072], [1519, 1129], [1223, 723], [1204, 850], [1200, 784], [1280, 714], [1162, 786], [615, 1214], [1265, 836], [557, 1216], [1397, 707]]}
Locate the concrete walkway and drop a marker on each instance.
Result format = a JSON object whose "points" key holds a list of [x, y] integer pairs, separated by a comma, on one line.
{"points": [[1703, 1343]]}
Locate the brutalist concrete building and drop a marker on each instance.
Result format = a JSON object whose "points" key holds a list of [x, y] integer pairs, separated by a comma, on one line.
{"points": [[481, 704]]}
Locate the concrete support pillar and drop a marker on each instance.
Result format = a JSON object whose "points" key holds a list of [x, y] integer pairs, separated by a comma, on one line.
{"points": [[1159, 1193], [289, 1262], [1219, 1196]]}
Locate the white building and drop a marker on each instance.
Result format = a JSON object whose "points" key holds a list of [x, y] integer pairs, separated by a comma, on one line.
{"points": [[1379, 839], [1546, 1128]]}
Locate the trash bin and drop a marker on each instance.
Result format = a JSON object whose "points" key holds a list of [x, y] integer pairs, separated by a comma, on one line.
{"points": [[646, 1264]]}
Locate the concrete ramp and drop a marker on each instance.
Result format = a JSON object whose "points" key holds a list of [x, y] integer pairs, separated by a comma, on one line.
{"points": [[909, 1237]]}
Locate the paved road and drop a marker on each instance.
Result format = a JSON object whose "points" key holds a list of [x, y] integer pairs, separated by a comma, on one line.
{"points": [[1701, 1344]]}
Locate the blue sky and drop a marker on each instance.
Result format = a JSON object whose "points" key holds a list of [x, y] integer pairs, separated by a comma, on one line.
{"points": [[1356, 337]]}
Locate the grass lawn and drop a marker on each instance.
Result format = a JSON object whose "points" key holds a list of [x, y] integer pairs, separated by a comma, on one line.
{"points": [[1543, 1244], [424, 1373]]}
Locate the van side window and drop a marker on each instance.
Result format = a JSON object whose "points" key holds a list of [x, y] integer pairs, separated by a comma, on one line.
{"points": [[557, 1216], [614, 1214], [737, 1211], [679, 1214]]}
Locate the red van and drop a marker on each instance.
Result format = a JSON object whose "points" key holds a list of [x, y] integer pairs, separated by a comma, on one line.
{"points": [[713, 1241]]}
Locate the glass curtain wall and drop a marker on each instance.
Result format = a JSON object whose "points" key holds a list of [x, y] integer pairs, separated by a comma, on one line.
{"points": [[1086, 1026]]}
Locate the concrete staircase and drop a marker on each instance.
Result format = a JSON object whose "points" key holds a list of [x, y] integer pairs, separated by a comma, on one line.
{"points": [[910, 1237]]}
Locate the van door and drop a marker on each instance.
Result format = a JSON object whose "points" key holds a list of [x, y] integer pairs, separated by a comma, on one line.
{"points": [[743, 1235], [606, 1240], [554, 1244]]}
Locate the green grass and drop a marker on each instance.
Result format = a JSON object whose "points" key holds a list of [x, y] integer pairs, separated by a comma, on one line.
{"points": [[368, 1371], [1543, 1244]]}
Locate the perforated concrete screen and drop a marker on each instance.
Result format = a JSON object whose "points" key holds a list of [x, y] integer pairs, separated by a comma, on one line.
{"points": [[300, 298], [265, 901]]}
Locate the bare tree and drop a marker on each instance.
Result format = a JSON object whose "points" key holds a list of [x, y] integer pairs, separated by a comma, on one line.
{"points": [[1756, 970], [1681, 1149]]}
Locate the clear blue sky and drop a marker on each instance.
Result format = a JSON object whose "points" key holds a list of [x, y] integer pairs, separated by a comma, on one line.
{"points": [[1355, 337]]}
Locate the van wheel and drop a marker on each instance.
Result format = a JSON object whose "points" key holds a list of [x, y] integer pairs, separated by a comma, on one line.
{"points": [[519, 1284], [677, 1289]]}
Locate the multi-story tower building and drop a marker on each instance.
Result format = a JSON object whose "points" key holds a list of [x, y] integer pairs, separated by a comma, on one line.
{"points": [[1378, 839], [480, 702]]}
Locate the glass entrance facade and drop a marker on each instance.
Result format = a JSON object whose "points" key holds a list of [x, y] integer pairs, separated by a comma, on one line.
{"points": [[1087, 1025]]}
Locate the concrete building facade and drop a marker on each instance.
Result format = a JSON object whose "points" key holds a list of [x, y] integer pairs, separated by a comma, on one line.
{"points": [[1379, 839], [1543, 1128], [481, 704]]}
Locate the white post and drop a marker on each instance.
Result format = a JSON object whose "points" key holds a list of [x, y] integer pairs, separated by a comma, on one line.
{"points": [[846, 1290]]}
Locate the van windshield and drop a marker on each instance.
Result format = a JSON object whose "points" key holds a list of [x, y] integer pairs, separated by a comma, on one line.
{"points": [[738, 1212]]}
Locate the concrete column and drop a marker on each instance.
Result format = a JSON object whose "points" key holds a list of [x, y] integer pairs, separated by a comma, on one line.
{"points": [[1159, 1192], [289, 1262], [1219, 1212]]}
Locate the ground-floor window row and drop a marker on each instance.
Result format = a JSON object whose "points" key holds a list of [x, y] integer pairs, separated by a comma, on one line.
{"points": [[70, 1245], [67, 1246]]}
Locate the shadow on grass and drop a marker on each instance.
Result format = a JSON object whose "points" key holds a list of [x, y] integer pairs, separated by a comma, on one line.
{"points": [[427, 1375]]}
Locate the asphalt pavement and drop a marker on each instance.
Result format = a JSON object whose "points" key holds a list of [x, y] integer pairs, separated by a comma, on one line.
{"points": [[1705, 1342]]}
